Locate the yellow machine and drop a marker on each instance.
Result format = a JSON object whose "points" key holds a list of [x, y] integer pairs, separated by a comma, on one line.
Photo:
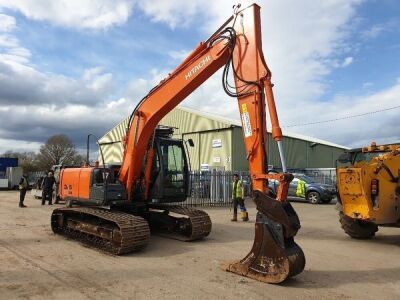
{"points": [[369, 189]]}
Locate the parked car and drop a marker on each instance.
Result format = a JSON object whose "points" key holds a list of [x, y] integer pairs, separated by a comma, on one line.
{"points": [[314, 192]]}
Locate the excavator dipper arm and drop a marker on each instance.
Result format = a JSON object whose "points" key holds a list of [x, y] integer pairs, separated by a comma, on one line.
{"points": [[237, 46]]}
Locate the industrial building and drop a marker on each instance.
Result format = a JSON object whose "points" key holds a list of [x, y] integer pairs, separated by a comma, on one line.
{"points": [[218, 143]]}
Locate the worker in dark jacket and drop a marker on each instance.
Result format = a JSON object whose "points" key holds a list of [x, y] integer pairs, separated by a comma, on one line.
{"points": [[47, 187], [237, 198], [23, 187]]}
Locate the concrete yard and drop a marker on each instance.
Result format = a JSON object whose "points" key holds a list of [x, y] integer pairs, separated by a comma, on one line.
{"points": [[36, 264]]}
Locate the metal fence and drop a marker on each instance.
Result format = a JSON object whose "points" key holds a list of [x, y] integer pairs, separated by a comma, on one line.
{"points": [[214, 188]]}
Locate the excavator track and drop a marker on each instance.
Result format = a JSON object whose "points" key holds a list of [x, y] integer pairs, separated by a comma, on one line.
{"points": [[111, 231], [193, 225]]}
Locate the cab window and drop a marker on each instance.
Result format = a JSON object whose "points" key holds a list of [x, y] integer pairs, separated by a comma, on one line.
{"points": [[174, 165], [367, 156]]}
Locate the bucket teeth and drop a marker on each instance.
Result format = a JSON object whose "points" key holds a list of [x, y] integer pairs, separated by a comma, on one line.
{"points": [[274, 256]]}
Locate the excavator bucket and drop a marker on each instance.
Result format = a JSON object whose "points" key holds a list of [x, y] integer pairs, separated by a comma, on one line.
{"points": [[274, 256]]}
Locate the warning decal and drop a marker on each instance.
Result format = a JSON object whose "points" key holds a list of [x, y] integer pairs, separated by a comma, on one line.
{"points": [[246, 121]]}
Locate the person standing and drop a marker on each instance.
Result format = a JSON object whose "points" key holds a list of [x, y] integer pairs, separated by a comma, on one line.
{"points": [[237, 198], [47, 188], [301, 188], [23, 187]]}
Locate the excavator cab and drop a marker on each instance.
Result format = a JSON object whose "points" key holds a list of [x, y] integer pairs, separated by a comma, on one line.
{"points": [[170, 171]]}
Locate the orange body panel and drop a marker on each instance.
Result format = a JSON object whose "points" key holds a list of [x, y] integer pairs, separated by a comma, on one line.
{"points": [[75, 183]]}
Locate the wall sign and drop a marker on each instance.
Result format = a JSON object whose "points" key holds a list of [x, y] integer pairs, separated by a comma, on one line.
{"points": [[216, 159], [204, 167], [217, 143]]}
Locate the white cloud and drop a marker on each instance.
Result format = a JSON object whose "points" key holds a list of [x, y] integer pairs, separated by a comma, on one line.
{"points": [[378, 29], [10, 49], [367, 85], [138, 88], [173, 12], [28, 125], [8, 41], [347, 61], [358, 131], [303, 42], [373, 32], [179, 55], [7, 23], [81, 110], [92, 14], [32, 102], [97, 80], [18, 145], [102, 83], [89, 74], [21, 84]]}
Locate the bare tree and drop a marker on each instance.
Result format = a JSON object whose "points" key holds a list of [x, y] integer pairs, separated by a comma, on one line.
{"points": [[57, 150]]}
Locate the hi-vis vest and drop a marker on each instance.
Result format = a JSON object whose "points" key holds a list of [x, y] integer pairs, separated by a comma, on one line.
{"points": [[301, 189], [238, 192], [24, 184]]}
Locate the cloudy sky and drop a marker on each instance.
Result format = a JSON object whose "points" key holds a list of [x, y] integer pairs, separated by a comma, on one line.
{"points": [[79, 67]]}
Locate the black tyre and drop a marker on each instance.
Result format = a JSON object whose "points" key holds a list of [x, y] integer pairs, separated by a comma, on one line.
{"points": [[313, 197], [357, 229]]}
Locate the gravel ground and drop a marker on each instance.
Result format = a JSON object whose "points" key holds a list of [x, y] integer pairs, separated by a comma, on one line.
{"points": [[36, 264]]}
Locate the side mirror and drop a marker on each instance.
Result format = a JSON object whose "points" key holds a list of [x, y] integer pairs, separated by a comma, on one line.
{"points": [[345, 158], [191, 143]]}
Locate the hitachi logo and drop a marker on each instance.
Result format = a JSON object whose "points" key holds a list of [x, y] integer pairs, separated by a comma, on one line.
{"points": [[197, 67]]}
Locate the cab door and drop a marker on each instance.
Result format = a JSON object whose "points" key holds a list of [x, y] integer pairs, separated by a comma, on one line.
{"points": [[171, 171]]}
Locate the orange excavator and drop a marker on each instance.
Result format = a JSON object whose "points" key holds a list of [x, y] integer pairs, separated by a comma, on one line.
{"points": [[114, 208]]}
